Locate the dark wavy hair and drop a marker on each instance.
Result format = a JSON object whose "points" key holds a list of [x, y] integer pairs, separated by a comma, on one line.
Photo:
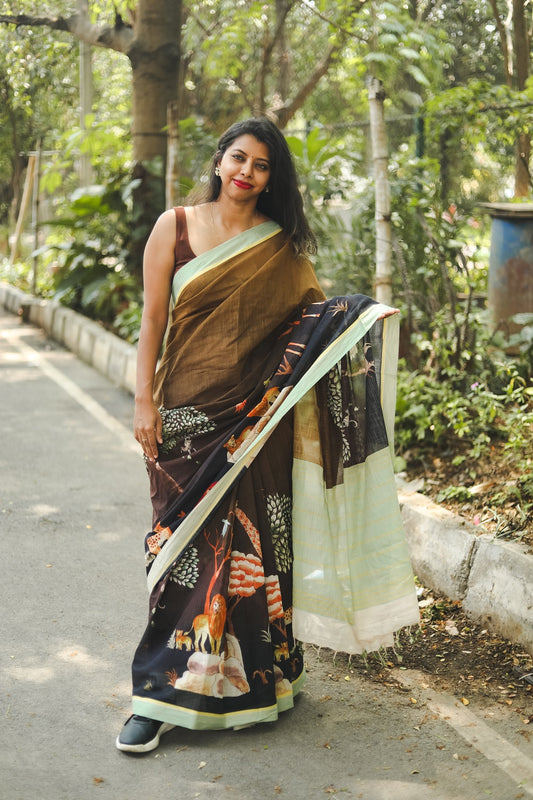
{"points": [[283, 202]]}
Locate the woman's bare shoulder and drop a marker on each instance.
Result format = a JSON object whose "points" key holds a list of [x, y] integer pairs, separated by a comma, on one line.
{"points": [[199, 220], [165, 222], [198, 212]]}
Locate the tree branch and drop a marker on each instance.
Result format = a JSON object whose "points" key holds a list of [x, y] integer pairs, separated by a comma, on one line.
{"points": [[289, 109], [356, 6], [118, 37], [268, 49], [502, 32], [284, 113]]}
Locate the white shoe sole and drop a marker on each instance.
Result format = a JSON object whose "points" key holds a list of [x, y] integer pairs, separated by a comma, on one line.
{"points": [[147, 746]]}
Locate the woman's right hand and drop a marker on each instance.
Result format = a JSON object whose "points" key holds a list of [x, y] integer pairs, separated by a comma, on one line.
{"points": [[148, 427], [158, 269]]}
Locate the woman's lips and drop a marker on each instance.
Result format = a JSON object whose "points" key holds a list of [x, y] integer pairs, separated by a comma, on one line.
{"points": [[242, 184]]}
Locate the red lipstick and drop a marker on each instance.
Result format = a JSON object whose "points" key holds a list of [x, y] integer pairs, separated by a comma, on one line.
{"points": [[242, 184]]}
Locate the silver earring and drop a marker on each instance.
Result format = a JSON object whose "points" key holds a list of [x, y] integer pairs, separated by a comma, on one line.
{"points": [[267, 189], [217, 172]]}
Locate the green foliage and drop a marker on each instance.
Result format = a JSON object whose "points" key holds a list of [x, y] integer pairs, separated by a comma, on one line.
{"points": [[324, 164], [470, 395], [461, 407], [522, 340], [345, 261], [90, 272], [405, 54], [127, 323], [244, 58], [27, 62], [196, 145], [459, 493], [20, 274], [472, 130]]}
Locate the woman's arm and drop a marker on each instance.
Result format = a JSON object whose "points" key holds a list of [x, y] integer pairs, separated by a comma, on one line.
{"points": [[158, 268]]}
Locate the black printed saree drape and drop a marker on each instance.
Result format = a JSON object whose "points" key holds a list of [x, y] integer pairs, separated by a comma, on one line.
{"points": [[275, 511]]}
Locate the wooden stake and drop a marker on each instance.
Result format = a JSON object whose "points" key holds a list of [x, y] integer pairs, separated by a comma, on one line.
{"points": [[24, 205]]}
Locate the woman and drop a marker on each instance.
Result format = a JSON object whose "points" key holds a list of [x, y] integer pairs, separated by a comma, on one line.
{"points": [[264, 431]]}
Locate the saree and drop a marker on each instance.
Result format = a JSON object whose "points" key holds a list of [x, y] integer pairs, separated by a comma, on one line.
{"points": [[276, 520]]}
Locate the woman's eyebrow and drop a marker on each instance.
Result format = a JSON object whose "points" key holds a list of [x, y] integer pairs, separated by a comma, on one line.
{"points": [[244, 153]]}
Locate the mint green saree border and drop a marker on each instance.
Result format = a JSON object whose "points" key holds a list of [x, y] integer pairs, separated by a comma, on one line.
{"points": [[217, 255], [326, 360], [202, 720]]}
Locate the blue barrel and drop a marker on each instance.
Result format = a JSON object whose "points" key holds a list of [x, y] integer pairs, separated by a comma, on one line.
{"points": [[510, 289]]}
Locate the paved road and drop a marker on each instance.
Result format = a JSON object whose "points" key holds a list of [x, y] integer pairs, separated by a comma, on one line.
{"points": [[73, 511]]}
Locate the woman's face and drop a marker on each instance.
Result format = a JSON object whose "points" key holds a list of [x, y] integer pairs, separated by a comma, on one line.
{"points": [[245, 168]]}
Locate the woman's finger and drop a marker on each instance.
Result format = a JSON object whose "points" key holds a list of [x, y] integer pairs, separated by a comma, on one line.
{"points": [[149, 446]]}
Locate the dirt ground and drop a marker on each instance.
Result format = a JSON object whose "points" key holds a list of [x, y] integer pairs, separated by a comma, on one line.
{"points": [[457, 657], [492, 498]]}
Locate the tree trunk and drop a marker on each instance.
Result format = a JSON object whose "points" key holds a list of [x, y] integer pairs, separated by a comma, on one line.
{"points": [[173, 152], [514, 39], [153, 48], [523, 146], [86, 106], [522, 178], [380, 158], [154, 56]]}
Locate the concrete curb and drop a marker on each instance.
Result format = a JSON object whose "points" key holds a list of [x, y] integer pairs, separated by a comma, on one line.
{"points": [[492, 578], [104, 351]]}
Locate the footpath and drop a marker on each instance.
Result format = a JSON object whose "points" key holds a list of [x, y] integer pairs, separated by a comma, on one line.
{"points": [[492, 578]]}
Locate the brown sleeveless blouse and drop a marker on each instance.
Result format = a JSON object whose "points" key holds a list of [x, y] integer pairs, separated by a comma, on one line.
{"points": [[182, 250]]}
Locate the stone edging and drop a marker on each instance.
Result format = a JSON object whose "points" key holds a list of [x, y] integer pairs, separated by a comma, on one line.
{"points": [[492, 578], [104, 351]]}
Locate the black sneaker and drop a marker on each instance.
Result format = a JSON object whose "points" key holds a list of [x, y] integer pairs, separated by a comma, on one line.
{"points": [[141, 734]]}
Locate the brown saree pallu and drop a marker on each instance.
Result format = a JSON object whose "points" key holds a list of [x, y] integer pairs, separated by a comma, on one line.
{"points": [[275, 511]]}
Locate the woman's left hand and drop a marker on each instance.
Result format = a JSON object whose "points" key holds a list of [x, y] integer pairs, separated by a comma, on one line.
{"points": [[389, 313]]}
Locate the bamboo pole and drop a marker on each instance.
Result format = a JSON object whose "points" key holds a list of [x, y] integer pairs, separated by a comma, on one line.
{"points": [[380, 159], [35, 217]]}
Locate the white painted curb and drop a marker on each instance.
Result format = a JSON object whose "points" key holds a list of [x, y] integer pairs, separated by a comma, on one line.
{"points": [[104, 351], [492, 578]]}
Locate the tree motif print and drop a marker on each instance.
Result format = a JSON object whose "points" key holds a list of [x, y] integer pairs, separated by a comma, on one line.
{"points": [[183, 423], [370, 365], [262, 674], [340, 307], [246, 574], [336, 410], [274, 601], [185, 570], [250, 529], [279, 510]]}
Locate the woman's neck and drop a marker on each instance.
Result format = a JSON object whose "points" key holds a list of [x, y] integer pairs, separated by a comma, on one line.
{"points": [[232, 216]]}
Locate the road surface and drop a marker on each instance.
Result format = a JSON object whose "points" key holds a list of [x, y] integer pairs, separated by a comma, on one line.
{"points": [[74, 509]]}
